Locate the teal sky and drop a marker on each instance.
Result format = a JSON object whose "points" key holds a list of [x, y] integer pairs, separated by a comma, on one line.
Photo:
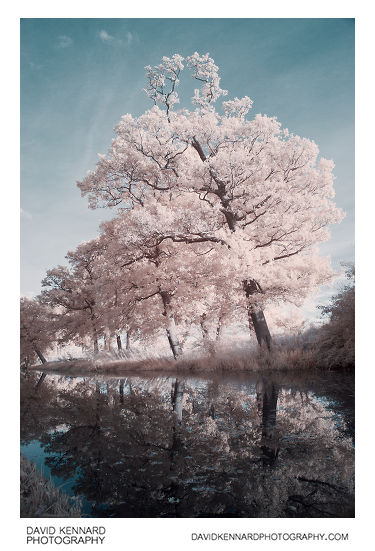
{"points": [[79, 76]]}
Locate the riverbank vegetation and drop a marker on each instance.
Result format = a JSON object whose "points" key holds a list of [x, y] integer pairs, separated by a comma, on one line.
{"points": [[40, 498], [330, 346]]}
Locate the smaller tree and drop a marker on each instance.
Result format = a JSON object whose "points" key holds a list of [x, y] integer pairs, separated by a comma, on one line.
{"points": [[36, 334], [336, 338]]}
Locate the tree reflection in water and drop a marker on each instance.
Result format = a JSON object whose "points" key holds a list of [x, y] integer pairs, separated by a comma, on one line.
{"points": [[147, 447]]}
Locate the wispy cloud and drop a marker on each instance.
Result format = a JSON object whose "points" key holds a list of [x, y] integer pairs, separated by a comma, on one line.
{"points": [[26, 215], [105, 37], [35, 66], [64, 41]]}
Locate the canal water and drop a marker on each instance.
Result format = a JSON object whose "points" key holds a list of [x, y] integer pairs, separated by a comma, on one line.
{"points": [[246, 445]]}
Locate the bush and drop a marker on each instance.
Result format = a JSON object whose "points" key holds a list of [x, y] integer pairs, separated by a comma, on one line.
{"points": [[336, 339]]}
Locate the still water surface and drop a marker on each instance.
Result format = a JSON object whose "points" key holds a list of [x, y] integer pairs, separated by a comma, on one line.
{"points": [[242, 445]]}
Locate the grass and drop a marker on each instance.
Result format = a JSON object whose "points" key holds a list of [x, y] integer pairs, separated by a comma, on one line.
{"points": [[284, 356], [40, 498]]}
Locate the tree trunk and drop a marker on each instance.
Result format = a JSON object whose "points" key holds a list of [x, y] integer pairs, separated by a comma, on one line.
{"points": [[177, 396], [108, 340], [267, 396], [219, 328], [94, 334], [128, 340], [40, 381], [40, 355], [176, 449], [119, 343], [256, 315], [171, 326], [259, 396], [121, 391], [260, 326], [212, 394], [203, 325]]}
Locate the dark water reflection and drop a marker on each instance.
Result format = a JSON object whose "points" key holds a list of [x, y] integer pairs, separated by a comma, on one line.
{"points": [[240, 446]]}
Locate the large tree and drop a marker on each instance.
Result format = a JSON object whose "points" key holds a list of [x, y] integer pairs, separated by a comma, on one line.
{"points": [[264, 192]]}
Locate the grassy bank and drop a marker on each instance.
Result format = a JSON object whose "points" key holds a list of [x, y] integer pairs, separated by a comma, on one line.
{"points": [[40, 498], [284, 356]]}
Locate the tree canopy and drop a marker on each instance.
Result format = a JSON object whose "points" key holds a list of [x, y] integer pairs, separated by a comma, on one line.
{"points": [[218, 215]]}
